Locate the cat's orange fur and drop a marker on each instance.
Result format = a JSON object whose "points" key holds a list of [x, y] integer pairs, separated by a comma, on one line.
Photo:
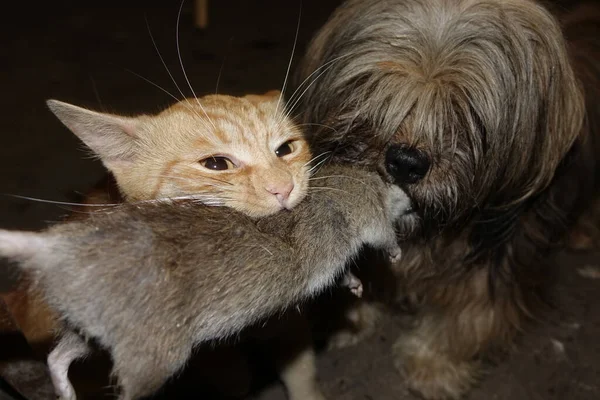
{"points": [[182, 150]]}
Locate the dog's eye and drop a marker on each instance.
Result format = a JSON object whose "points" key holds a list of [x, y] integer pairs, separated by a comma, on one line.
{"points": [[285, 149], [217, 163]]}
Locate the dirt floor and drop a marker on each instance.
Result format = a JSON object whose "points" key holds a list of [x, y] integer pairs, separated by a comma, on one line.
{"points": [[83, 53]]}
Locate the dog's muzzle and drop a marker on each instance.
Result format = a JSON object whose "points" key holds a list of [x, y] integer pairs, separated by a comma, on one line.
{"points": [[406, 164]]}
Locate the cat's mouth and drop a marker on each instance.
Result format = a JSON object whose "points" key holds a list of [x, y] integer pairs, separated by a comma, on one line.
{"points": [[288, 204], [281, 204]]}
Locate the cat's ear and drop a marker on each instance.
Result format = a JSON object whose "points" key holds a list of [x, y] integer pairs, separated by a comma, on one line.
{"points": [[273, 94], [270, 96], [111, 137]]}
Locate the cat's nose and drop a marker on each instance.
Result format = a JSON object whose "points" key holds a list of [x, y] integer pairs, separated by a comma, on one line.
{"points": [[406, 164], [281, 191]]}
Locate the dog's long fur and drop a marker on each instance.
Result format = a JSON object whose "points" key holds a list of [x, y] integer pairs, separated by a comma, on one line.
{"points": [[494, 95]]}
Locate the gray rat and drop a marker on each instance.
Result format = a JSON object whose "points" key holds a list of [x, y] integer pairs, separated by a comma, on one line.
{"points": [[150, 281]]}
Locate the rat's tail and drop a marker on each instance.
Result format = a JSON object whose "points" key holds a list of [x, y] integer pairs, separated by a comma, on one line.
{"points": [[21, 245]]}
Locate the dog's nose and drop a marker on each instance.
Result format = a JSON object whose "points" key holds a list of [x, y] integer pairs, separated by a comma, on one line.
{"points": [[406, 164]]}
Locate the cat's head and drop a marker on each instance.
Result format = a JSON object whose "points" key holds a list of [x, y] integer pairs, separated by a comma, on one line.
{"points": [[240, 152]]}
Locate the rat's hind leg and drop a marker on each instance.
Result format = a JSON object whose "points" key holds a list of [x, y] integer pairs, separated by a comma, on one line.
{"points": [[142, 370], [70, 347]]}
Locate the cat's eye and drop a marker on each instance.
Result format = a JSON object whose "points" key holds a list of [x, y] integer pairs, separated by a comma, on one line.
{"points": [[217, 163], [285, 149]]}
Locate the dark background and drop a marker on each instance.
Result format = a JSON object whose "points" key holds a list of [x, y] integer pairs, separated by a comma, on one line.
{"points": [[80, 52]]}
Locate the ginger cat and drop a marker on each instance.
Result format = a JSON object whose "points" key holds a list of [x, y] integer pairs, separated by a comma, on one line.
{"points": [[239, 152]]}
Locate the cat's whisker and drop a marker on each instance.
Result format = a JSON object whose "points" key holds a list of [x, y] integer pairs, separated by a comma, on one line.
{"points": [[327, 188], [75, 211], [342, 177], [283, 116], [162, 60], [64, 203], [315, 167], [293, 117], [221, 188], [315, 178], [157, 86], [182, 67], [191, 180], [322, 125], [153, 84], [222, 66], [212, 178], [211, 202], [297, 101], [323, 154], [196, 196], [96, 92], [206, 199], [317, 71], [327, 66], [287, 73], [220, 180]]}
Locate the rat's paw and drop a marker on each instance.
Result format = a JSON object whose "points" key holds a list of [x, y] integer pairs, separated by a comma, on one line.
{"points": [[394, 254], [357, 290], [354, 284]]}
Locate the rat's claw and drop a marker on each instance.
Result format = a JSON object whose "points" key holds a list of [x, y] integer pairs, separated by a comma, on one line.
{"points": [[353, 283]]}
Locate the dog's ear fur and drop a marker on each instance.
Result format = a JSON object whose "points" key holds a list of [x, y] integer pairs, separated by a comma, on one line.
{"points": [[496, 108], [556, 92], [560, 148]]}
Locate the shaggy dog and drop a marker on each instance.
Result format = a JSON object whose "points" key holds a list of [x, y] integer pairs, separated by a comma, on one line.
{"points": [[478, 109]]}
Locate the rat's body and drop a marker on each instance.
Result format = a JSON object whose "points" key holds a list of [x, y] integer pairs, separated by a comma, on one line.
{"points": [[245, 153], [149, 282]]}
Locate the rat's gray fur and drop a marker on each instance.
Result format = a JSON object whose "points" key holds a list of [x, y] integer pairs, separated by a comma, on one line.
{"points": [[150, 281]]}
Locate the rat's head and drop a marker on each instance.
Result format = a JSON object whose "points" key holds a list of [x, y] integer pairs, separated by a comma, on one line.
{"points": [[466, 105], [240, 152]]}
